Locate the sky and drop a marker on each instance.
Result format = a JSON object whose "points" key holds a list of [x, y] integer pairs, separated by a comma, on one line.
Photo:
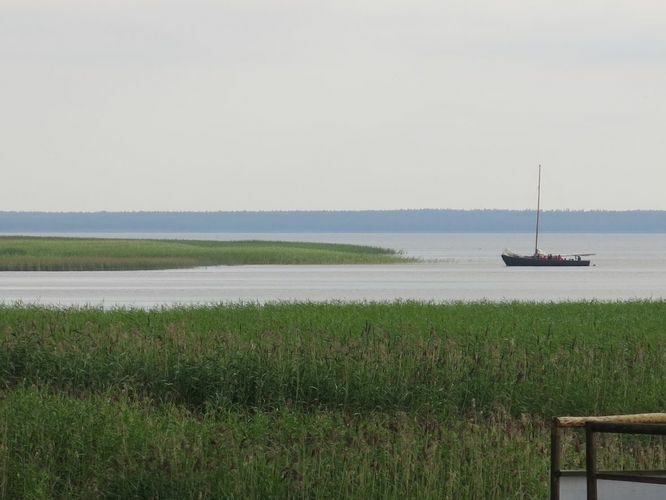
{"points": [[347, 104]]}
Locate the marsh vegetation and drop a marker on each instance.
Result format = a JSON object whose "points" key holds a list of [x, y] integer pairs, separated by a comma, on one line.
{"points": [[316, 400], [21, 253]]}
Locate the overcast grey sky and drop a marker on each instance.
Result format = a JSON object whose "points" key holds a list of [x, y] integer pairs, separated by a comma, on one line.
{"points": [[347, 104]]}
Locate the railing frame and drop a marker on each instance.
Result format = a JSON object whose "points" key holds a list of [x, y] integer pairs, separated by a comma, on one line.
{"points": [[592, 428], [649, 424]]}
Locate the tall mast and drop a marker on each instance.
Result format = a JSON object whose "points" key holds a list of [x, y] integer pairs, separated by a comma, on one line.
{"points": [[536, 240]]}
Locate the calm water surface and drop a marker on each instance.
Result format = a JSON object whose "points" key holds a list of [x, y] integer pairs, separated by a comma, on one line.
{"points": [[456, 267]]}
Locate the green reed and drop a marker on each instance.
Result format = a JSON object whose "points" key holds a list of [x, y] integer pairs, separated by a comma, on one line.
{"points": [[19, 253], [546, 359], [316, 400], [106, 446]]}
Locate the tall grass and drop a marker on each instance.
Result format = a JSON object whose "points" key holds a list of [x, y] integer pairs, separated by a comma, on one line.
{"points": [[106, 446], [316, 400], [97, 254], [546, 359]]}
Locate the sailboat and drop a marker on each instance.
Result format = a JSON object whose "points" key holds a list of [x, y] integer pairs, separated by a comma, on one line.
{"points": [[539, 258]]}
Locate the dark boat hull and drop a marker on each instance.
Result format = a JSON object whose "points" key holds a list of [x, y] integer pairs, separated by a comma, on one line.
{"points": [[531, 260]]}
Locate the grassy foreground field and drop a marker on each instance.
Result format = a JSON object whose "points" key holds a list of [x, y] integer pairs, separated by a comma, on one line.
{"points": [[317, 400], [21, 253]]}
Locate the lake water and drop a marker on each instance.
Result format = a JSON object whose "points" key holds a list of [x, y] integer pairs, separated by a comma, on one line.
{"points": [[456, 267]]}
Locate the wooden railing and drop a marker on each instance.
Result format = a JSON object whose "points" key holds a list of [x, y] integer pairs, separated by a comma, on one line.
{"points": [[644, 423]]}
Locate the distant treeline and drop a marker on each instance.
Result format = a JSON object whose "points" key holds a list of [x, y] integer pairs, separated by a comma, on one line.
{"points": [[390, 221]]}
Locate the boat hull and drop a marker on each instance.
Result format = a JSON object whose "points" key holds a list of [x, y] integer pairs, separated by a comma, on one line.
{"points": [[531, 260]]}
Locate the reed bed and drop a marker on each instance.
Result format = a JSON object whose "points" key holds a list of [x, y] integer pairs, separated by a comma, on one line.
{"points": [[317, 400], [20, 253]]}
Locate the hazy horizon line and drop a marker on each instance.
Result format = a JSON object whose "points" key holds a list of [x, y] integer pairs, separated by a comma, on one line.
{"points": [[343, 210]]}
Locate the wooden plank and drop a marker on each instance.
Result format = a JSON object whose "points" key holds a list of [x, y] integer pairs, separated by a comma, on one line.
{"points": [[639, 418]]}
